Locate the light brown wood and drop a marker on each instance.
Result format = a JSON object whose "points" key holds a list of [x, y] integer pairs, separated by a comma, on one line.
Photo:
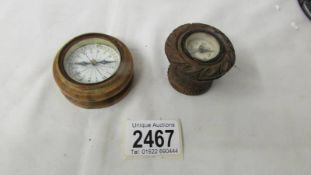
{"points": [[101, 94]]}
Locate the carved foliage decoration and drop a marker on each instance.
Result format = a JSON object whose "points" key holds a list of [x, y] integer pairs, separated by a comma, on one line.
{"points": [[198, 70]]}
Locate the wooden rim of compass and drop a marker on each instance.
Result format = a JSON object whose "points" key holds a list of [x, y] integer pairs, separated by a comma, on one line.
{"points": [[98, 91]]}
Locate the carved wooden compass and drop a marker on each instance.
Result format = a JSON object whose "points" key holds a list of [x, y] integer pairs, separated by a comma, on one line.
{"points": [[93, 70], [198, 54]]}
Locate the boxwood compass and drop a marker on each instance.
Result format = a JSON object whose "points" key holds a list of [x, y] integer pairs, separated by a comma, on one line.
{"points": [[94, 70]]}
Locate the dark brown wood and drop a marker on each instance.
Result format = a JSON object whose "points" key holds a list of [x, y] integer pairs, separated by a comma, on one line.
{"points": [[101, 94], [189, 75]]}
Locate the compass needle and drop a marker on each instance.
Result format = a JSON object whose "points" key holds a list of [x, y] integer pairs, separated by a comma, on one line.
{"points": [[87, 60]]}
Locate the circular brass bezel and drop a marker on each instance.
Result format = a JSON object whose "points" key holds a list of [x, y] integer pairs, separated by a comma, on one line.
{"points": [[77, 43]]}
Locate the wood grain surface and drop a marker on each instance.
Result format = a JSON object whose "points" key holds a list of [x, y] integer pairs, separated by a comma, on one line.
{"points": [[98, 95], [189, 75]]}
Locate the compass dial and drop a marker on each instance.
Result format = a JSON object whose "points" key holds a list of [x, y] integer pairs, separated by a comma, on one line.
{"points": [[202, 46], [92, 63]]}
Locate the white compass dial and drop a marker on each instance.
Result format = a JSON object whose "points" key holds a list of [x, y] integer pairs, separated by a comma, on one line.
{"points": [[92, 63], [202, 46]]}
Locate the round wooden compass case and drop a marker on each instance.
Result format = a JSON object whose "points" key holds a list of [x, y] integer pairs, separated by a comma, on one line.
{"points": [[192, 76], [99, 94]]}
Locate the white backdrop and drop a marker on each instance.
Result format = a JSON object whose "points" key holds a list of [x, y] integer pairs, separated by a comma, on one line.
{"points": [[254, 121]]}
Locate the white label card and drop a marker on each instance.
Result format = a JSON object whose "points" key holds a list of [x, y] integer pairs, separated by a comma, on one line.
{"points": [[153, 139]]}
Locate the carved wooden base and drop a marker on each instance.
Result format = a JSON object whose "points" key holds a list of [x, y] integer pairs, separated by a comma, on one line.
{"points": [[189, 75], [187, 85]]}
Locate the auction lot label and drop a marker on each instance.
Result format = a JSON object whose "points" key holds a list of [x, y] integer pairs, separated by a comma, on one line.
{"points": [[153, 139]]}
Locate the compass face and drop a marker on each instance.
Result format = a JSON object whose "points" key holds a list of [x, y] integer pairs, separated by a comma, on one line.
{"points": [[202, 46], [92, 63]]}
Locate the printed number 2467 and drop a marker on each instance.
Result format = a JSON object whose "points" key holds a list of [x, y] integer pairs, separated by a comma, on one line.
{"points": [[153, 138]]}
